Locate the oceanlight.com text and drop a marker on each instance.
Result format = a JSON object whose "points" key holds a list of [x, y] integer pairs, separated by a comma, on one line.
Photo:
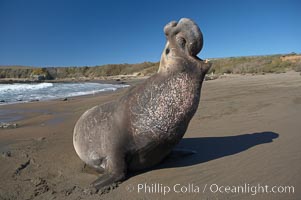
{"points": [[251, 189]]}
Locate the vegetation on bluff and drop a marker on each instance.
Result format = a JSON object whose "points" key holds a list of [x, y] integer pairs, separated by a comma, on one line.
{"points": [[257, 64], [235, 65]]}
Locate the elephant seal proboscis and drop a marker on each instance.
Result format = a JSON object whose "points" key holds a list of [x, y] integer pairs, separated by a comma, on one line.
{"points": [[141, 128]]}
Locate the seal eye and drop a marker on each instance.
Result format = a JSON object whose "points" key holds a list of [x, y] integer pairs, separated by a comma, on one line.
{"points": [[181, 41], [167, 51]]}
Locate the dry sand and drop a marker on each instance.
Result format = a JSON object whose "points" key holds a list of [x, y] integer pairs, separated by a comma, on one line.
{"points": [[246, 133]]}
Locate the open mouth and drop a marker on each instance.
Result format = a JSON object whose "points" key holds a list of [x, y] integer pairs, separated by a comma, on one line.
{"points": [[184, 38]]}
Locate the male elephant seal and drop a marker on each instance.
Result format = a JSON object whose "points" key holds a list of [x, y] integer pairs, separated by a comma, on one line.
{"points": [[141, 128]]}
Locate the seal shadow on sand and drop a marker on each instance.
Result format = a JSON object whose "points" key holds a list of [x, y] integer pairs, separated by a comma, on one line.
{"points": [[207, 149], [211, 148]]}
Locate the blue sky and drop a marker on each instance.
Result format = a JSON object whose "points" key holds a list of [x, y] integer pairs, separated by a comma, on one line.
{"points": [[78, 33]]}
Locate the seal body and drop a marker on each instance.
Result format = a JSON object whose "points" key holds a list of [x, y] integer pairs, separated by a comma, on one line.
{"points": [[159, 116], [140, 129]]}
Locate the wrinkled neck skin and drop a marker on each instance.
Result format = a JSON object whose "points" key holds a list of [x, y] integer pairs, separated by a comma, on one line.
{"points": [[184, 42]]}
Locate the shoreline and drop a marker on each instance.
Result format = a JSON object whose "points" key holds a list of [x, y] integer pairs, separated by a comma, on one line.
{"points": [[15, 105], [129, 83], [66, 98]]}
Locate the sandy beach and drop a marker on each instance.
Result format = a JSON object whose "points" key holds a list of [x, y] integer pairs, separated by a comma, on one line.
{"points": [[246, 133]]}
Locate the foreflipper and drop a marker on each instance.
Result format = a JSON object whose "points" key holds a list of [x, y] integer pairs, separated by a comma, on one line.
{"points": [[114, 172]]}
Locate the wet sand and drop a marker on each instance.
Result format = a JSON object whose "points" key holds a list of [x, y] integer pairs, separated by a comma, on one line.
{"points": [[246, 133]]}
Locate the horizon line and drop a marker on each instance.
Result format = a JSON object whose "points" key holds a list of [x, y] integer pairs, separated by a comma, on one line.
{"points": [[100, 65]]}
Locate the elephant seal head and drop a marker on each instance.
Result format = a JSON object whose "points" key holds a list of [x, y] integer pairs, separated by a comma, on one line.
{"points": [[184, 42]]}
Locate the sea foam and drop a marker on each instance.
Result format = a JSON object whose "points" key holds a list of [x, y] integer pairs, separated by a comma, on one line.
{"points": [[23, 87], [18, 92]]}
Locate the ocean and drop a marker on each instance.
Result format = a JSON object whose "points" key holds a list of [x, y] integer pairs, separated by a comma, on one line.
{"points": [[26, 92]]}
